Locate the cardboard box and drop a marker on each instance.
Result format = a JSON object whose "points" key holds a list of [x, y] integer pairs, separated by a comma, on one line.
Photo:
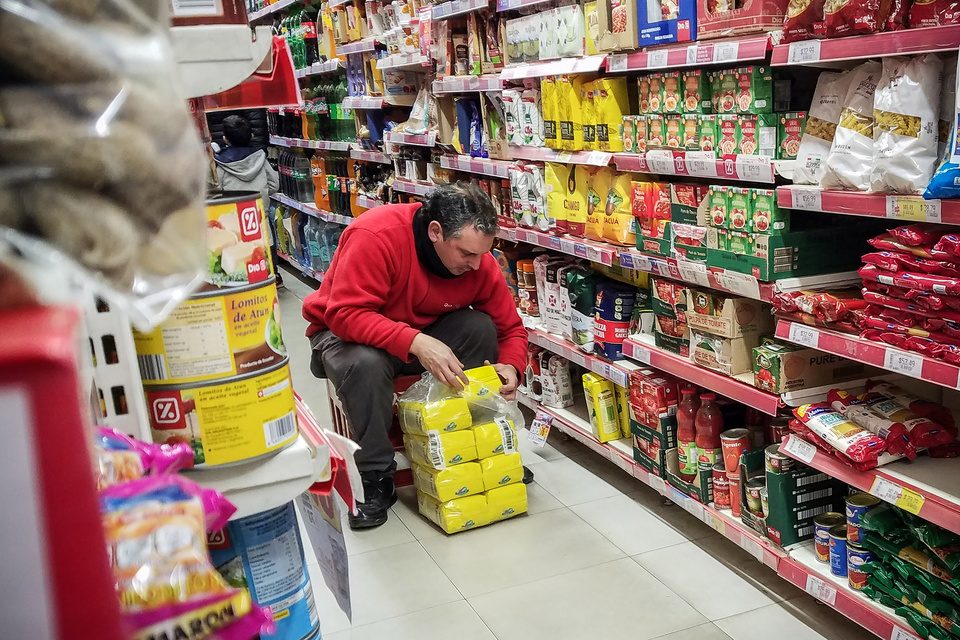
{"points": [[779, 368], [708, 131], [653, 404], [659, 26], [757, 134], [650, 454], [689, 242], [668, 298], [729, 356], [726, 316], [697, 94], [766, 216], [685, 201], [679, 346], [617, 21], [738, 209], [754, 89], [797, 497], [700, 488], [753, 16], [789, 131]]}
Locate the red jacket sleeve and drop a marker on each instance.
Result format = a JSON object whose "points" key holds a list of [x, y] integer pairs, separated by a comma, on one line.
{"points": [[365, 271], [496, 301]]}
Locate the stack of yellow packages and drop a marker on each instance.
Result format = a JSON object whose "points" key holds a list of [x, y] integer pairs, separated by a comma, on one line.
{"points": [[608, 407], [463, 447]]}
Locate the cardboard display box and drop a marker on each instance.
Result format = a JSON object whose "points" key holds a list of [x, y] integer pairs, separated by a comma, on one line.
{"points": [[617, 22], [726, 316], [649, 453], [660, 23], [753, 16], [729, 356], [796, 498], [779, 368], [701, 488]]}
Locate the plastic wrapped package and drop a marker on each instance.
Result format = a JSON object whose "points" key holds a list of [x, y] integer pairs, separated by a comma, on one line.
{"points": [[948, 97], [121, 458], [850, 162], [822, 119], [854, 17], [853, 441], [946, 180], [854, 409], [102, 167], [801, 20]]}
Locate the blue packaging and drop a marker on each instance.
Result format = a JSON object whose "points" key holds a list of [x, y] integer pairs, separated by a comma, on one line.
{"points": [[263, 553], [945, 182], [838, 550], [611, 318], [663, 21]]}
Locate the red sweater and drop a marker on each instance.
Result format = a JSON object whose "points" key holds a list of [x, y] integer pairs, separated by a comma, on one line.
{"points": [[376, 292]]}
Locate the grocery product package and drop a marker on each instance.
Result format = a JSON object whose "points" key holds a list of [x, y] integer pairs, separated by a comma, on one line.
{"points": [[801, 20], [520, 196], [474, 511], [582, 288], [946, 180], [948, 96], [598, 188], [821, 125], [120, 458], [555, 382], [618, 220], [512, 115], [537, 194], [854, 17], [531, 120], [569, 23], [602, 407], [548, 101], [588, 94], [103, 169], [850, 161], [906, 112], [612, 313], [570, 111], [610, 105]]}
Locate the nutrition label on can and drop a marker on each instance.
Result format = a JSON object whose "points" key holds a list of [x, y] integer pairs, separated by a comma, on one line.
{"points": [[195, 341]]}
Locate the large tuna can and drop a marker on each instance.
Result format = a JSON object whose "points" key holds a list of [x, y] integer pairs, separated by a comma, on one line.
{"points": [[237, 240]]}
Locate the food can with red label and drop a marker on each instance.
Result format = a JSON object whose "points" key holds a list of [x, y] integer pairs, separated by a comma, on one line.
{"points": [[777, 462], [857, 556], [721, 486], [734, 479], [838, 550], [821, 533]]}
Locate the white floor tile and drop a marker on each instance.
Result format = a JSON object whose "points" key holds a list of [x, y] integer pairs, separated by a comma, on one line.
{"points": [[519, 550], [757, 625], [391, 534], [533, 454], [703, 581], [707, 631], [540, 500], [387, 583], [455, 620], [406, 510], [570, 483], [628, 525], [589, 603]]}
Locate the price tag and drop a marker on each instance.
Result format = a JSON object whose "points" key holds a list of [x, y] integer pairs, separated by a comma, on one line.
{"points": [[640, 354], [617, 62], [758, 168], [799, 449], [821, 590], [702, 164], [677, 496], [564, 156], [903, 362], [580, 250], [899, 633], [626, 260], [751, 546], [660, 161], [599, 158], [554, 242], [513, 4], [804, 51], [739, 283], [594, 254], [657, 59], [802, 334], [540, 429], [913, 208], [566, 246], [692, 54], [805, 198], [578, 357], [657, 484], [620, 377], [642, 262], [726, 51], [901, 496], [693, 272], [694, 508], [718, 524]]}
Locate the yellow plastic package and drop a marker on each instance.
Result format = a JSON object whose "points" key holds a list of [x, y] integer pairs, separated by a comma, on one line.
{"points": [[438, 450], [446, 484], [506, 502], [448, 414], [548, 103], [570, 112], [484, 381], [495, 438], [499, 471], [619, 225], [602, 407], [589, 115], [455, 515], [623, 408], [611, 103], [576, 199], [592, 20], [555, 175], [598, 188]]}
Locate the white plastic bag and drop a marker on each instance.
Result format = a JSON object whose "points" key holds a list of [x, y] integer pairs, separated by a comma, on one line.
{"points": [[822, 119], [948, 94], [850, 162]]}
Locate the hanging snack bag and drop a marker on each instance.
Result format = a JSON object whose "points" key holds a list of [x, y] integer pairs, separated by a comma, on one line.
{"points": [[548, 100], [851, 158], [906, 121], [618, 220], [596, 201], [844, 436], [820, 127], [946, 181]]}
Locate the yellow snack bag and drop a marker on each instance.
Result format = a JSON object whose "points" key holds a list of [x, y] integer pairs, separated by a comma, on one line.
{"points": [[587, 106], [570, 112], [623, 408], [602, 407], [455, 515], [577, 196], [449, 414], [495, 438], [555, 175], [499, 471], [506, 502], [612, 105], [438, 449], [596, 202], [447, 484], [548, 104], [618, 220]]}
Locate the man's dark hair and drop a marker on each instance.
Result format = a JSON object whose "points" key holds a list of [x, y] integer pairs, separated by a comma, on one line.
{"points": [[457, 205], [236, 129]]}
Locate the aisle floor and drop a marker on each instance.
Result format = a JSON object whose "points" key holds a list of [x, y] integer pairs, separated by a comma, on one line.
{"points": [[599, 555]]}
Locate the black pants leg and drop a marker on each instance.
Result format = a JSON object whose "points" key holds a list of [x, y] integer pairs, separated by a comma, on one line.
{"points": [[363, 376]]}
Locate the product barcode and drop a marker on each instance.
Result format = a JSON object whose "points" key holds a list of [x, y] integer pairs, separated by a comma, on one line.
{"points": [[276, 431], [196, 7], [506, 434], [813, 512], [152, 367], [435, 450], [817, 477], [814, 495], [805, 531]]}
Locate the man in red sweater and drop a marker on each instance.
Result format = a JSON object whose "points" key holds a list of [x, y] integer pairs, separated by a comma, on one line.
{"points": [[411, 288]]}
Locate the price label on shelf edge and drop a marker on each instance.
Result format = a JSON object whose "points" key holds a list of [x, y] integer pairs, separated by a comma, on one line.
{"points": [[913, 208], [899, 633], [640, 353], [702, 164], [759, 168], [903, 362], [660, 161], [726, 51], [804, 51], [893, 493], [617, 62], [718, 524], [799, 449], [751, 546], [806, 199], [692, 54], [657, 484], [802, 334], [820, 590], [657, 59]]}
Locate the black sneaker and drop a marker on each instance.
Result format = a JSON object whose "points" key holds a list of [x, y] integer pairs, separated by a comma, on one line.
{"points": [[380, 494]]}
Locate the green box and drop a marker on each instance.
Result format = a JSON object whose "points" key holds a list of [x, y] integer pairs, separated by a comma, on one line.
{"points": [[656, 465], [796, 498], [809, 368], [700, 488], [766, 216], [789, 131], [656, 131], [718, 201], [640, 129], [728, 134], [690, 131], [666, 435], [628, 133], [697, 95], [739, 242], [756, 134], [725, 85], [656, 93], [738, 208], [754, 89], [673, 125], [672, 92], [656, 246], [661, 294], [707, 131], [643, 94]]}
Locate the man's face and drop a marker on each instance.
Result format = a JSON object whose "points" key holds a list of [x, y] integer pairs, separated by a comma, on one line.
{"points": [[463, 253]]}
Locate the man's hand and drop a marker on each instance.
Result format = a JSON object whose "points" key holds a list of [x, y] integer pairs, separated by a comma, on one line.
{"points": [[439, 360], [508, 374]]}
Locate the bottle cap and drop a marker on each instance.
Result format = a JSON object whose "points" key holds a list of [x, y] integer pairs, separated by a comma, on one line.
{"points": [[708, 396]]}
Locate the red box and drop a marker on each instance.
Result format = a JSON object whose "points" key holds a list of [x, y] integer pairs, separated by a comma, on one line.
{"points": [[756, 16], [653, 397]]}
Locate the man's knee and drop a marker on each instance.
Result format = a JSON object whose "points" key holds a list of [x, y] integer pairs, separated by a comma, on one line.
{"points": [[480, 328], [358, 363]]}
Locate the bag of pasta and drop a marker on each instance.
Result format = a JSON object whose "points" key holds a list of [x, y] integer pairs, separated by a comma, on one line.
{"points": [[906, 111], [803, 20], [850, 162], [821, 126]]}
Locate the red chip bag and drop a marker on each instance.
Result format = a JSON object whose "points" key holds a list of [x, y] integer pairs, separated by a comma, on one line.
{"points": [[854, 17], [924, 13], [803, 20], [921, 233], [941, 285], [949, 12], [897, 19], [892, 260], [886, 242]]}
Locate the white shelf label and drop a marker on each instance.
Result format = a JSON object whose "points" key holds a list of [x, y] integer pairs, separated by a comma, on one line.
{"points": [[821, 590], [564, 156], [751, 546], [566, 246], [617, 62], [757, 168], [594, 254], [693, 272], [702, 164], [578, 357], [660, 161], [802, 334], [900, 633], [694, 508], [692, 54], [641, 354], [893, 493], [642, 263], [657, 484], [657, 59], [718, 524], [903, 362], [799, 449], [599, 158], [805, 198], [804, 51], [739, 283], [726, 51]]}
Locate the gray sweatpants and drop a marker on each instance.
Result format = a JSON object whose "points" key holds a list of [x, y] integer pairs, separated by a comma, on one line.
{"points": [[363, 376]]}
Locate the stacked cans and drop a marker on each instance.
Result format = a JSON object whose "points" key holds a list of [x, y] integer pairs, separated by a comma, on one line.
{"points": [[838, 537]]}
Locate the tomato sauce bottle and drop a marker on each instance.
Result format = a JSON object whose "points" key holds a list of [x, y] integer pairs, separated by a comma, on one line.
{"points": [[709, 425], [686, 433]]}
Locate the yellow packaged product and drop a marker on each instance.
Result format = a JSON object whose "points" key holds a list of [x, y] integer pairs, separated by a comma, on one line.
{"points": [[602, 407], [455, 515], [576, 199], [623, 409], [448, 414], [499, 471], [506, 502], [588, 110], [495, 438], [555, 175], [611, 103], [548, 104], [592, 20], [438, 449], [446, 484], [570, 112], [599, 186], [618, 220], [484, 381]]}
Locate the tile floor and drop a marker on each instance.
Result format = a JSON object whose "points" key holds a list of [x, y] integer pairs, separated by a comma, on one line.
{"points": [[598, 555]]}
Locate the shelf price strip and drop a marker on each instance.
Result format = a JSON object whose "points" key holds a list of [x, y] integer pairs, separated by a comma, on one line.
{"points": [[893, 493]]}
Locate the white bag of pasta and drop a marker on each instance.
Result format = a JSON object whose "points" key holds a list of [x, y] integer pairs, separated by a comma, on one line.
{"points": [[850, 161], [906, 113], [822, 119], [948, 96]]}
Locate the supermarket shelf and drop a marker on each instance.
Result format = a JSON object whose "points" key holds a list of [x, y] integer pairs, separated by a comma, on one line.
{"points": [[877, 205], [299, 266], [456, 8], [409, 186], [309, 209], [360, 46], [367, 203], [586, 249], [320, 68], [483, 166], [928, 487], [504, 5], [732, 52], [899, 43], [428, 139], [703, 164], [364, 102], [618, 372], [214, 58], [699, 274], [329, 145], [409, 61], [877, 354], [370, 156], [271, 8], [543, 154], [587, 64], [463, 84]]}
